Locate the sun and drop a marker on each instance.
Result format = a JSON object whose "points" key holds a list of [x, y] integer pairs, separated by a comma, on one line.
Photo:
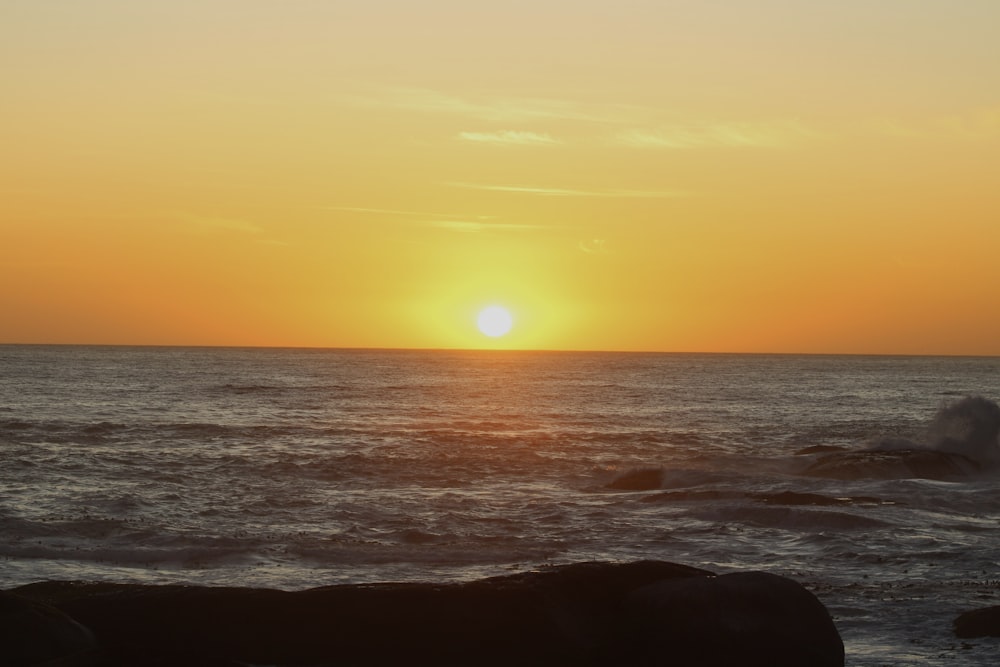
{"points": [[495, 321]]}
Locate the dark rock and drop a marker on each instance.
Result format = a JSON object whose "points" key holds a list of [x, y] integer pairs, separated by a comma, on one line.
{"points": [[978, 623], [819, 449], [642, 479], [581, 614], [751, 619], [894, 464], [33, 633], [799, 498], [693, 495], [961, 442]]}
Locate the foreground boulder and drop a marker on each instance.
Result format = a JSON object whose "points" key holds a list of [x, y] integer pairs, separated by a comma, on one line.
{"points": [[751, 619], [599, 614], [33, 633], [978, 623]]}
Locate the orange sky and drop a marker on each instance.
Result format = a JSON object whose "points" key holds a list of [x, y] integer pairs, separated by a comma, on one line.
{"points": [[751, 175]]}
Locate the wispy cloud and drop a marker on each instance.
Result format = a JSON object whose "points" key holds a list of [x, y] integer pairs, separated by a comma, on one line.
{"points": [[892, 127], [397, 212], [509, 138], [468, 226], [207, 225], [567, 192], [973, 125], [594, 246], [497, 108], [774, 134], [624, 124], [212, 223], [450, 221], [636, 126]]}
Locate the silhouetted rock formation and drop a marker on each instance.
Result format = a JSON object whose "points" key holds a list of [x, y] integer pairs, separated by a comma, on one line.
{"points": [[645, 613], [894, 464], [642, 479], [33, 633], [750, 619], [978, 623]]}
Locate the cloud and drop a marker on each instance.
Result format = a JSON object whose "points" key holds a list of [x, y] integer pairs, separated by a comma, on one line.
{"points": [[449, 221], [565, 192], [773, 134], [973, 125], [510, 138], [893, 128], [397, 212], [980, 124], [594, 246], [205, 225], [467, 226], [211, 223], [651, 128], [497, 108]]}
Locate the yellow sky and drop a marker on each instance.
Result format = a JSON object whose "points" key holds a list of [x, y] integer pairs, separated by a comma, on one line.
{"points": [[749, 175]]}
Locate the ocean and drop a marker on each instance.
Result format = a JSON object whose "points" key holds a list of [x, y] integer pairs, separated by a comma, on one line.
{"points": [[296, 468]]}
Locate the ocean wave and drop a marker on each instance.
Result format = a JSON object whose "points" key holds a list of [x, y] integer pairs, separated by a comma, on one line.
{"points": [[649, 478], [969, 427], [790, 498], [250, 388], [961, 442], [806, 498], [694, 496], [15, 425], [189, 557], [791, 518], [430, 553]]}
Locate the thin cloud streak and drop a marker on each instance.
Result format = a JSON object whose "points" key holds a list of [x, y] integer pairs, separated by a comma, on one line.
{"points": [[210, 223], [509, 138], [594, 246], [777, 134], [636, 126], [565, 192], [418, 214], [976, 125], [449, 221], [500, 109], [469, 227]]}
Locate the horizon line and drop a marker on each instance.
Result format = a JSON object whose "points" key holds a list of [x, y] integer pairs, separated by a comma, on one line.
{"points": [[506, 350]]}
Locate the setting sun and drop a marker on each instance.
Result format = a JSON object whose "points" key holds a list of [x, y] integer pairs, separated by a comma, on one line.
{"points": [[445, 281], [495, 321]]}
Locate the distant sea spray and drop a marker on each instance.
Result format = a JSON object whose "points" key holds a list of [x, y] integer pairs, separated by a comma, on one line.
{"points": [[970, 427], [961, 441]]}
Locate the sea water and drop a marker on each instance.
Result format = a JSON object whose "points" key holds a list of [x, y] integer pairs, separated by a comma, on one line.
{"points": [[295, 468]]}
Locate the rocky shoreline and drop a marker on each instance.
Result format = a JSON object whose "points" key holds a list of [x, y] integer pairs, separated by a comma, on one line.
{"points": [[645, 613], [597, 614]]}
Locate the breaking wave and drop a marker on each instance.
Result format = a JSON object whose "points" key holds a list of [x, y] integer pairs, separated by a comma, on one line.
{"points": [[969, 427], [960, 442]]}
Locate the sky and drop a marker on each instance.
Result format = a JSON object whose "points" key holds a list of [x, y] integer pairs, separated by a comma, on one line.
{"points": [[659, 175]]}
